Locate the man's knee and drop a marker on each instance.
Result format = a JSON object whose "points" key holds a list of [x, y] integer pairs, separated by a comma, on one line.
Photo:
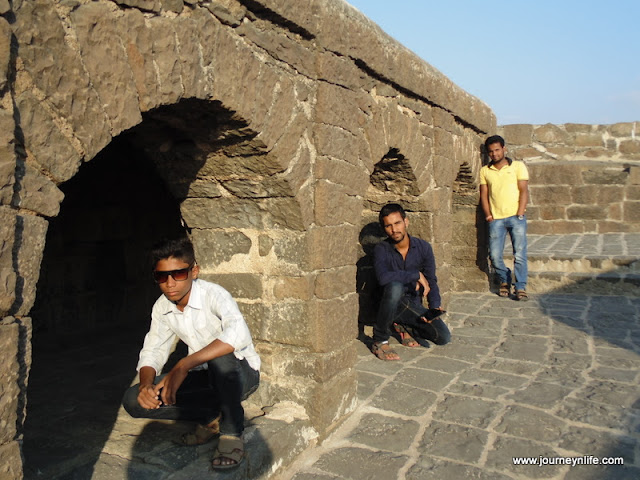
{"points": [[393, 291], [131, 404]]}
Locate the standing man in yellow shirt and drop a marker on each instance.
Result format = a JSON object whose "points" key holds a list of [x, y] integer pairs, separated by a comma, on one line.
{"points": [[503, 196]]}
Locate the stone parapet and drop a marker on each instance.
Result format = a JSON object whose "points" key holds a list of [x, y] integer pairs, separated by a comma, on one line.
{"points": [[583, 178], [615, 143]]}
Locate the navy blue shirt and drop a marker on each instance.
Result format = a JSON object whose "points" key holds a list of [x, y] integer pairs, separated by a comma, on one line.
{"points": [[391, 267]]}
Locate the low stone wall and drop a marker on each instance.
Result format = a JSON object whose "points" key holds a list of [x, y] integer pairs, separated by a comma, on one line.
{"points": [[583, 178]]}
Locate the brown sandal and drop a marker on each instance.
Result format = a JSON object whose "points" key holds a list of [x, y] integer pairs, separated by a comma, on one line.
{"points": [[383, 351], [202, 434], [521, 295], [505, 290], [231, 448], [407, 339]]}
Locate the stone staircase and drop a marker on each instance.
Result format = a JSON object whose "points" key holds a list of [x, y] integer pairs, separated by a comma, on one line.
{"points": [[604, 264]]}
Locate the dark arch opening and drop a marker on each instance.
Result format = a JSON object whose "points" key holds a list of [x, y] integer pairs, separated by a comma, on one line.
{"points": [[92, 307]]}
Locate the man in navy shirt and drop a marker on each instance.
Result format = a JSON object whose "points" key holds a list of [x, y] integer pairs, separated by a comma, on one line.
{"points": [[406, 270]]}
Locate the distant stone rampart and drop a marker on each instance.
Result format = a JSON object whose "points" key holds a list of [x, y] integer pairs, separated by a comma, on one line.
{"points": [[584, 178]]}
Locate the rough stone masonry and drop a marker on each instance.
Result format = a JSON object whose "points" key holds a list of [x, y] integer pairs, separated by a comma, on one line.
{"points": [[278, 128]]}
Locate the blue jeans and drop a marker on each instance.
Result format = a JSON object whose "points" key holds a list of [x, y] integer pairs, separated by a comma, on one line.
{"points": [[398, 306], [517, 230], [205, 394]]}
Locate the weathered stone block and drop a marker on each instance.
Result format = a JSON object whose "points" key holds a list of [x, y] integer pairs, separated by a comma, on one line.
{"points": [[10, 461], [335, 142], [335, 282], [442, 228], [255, 315], [550, 134], [332, 246], [9, 333], [621, 129], [239, 285], [586, 212], [289, 323], [589, 140], [516, 134], [342, 173], [7, 156], [631, 211], [51, 149], [554, 174], [37, 193], [265, 244], [615, 211], [629, 146], [634, 175], [333, 321], [8, 236], [578, 127], [537, 227], [546, 195], [604, 176], [300, 288], [193, 78], [526, 153], [58, 72], [632, 192], [561, 151], [214, 247], [238, 213], [610, 194], [172, 5], [331, 400], [551, 212], [597, 153], [31, 233], [584, 194], [561, 227], [335, 204], [106, 62], [315, 367], [5, 53]]}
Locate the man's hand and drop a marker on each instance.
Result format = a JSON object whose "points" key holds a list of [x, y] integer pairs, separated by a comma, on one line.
{"points": [[171, 383], [148, 396], [422, 281]]}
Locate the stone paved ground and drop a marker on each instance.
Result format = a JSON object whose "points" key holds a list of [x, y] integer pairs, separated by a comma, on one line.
{"points": [[555, 377], [589, 244]]}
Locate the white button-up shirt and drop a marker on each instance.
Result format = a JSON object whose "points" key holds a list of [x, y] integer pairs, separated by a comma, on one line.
{"points": [[210, 314]]}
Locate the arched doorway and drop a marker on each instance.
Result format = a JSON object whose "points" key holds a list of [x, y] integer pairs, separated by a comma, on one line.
{"points": [[92, 306]]}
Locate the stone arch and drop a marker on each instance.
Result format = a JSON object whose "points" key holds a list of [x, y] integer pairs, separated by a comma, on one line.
{"points": [[234, 154]]}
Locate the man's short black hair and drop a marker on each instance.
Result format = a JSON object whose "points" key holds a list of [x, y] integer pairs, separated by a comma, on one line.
{"points": [[390, 208], [493, 139], [180, 248]]}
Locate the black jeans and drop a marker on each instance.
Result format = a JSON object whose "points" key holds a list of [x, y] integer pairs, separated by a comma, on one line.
{"points": [[204, 394], [396, 306]]}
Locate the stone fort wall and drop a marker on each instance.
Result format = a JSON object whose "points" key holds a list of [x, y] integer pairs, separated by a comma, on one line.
{"points": [[584, 178], [272, 130]]}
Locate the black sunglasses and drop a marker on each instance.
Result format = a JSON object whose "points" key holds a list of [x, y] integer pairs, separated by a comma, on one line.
{"points": [[180, 275]]}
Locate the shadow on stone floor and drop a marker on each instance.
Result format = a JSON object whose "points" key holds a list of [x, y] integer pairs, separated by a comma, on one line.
{"points": [[74, 394]]}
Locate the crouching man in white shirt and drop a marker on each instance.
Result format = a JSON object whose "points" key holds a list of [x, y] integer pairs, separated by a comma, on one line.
{"points": [[222, 367]]}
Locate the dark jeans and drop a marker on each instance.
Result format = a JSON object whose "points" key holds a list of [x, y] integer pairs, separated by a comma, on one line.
{"points": [[397, 306], [204, 394]]}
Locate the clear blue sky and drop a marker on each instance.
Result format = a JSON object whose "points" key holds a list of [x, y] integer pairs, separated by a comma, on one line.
{"points": [[544, 61]]}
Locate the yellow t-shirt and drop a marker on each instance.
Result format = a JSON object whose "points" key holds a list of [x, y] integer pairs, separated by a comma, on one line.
{"points": [[504, 194]]}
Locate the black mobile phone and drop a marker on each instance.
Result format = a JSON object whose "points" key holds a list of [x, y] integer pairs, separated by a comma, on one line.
{"points": [[434, 313]]}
